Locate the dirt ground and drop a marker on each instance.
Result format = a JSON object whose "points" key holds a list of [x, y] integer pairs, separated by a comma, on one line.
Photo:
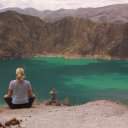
{"points": [[95, 114]]}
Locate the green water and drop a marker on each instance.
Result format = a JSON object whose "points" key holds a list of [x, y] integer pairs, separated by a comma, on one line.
{"points": [[80, 80]]}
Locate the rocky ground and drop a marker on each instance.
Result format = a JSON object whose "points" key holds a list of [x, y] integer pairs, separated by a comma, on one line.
{"points": [[95, 114]]}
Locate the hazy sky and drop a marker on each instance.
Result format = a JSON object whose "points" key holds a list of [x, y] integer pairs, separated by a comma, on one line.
{"points": [[57, 4]]}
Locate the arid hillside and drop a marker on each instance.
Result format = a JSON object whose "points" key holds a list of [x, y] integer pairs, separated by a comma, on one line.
{"points": [[23, 35], [112, 13]]}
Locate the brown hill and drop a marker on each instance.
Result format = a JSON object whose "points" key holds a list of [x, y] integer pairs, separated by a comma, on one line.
{"points": [[111, 13], [22, 35]]}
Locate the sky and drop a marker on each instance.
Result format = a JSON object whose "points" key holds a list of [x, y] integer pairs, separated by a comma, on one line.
{"points": [[58, 4]]}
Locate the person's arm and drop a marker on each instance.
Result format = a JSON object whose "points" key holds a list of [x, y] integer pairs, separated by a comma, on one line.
{"points": [[9, 93], [30, 93], [10, 90]]}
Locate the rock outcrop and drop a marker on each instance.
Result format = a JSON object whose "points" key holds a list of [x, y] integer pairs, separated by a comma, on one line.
{"points": [[23, 35]]}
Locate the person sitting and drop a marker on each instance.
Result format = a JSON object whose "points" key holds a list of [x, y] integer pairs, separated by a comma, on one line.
{"points": [[20, 93]]}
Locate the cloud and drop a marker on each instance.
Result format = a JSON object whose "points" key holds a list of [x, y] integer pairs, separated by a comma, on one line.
{"points": [[15, 3], [57, 4]]}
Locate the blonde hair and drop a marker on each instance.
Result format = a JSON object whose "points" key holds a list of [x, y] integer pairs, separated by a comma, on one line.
{"points": [[20, 74]]}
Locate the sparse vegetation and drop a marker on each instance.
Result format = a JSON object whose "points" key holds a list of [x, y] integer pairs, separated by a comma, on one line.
{"points": [[27, 36]]}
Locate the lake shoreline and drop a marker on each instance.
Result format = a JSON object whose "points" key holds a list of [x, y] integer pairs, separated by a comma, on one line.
{"points": [[69, 56]]}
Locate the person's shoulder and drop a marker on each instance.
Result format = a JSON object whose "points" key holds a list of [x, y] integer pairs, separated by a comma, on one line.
{"points": [[13, 81], [27, 81]]}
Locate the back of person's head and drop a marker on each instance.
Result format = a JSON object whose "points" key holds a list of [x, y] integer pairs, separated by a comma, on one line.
{"points": [[20, 74]]}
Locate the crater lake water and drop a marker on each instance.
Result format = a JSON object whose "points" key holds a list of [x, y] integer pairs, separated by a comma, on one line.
{"points": [[80, 80]]}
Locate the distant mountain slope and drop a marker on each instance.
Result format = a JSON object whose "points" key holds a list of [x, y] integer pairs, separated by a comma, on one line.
{"points": [[112, 13], [23, 35]]}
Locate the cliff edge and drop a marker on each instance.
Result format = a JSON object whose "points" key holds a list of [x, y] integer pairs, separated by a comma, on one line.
{"points": [[96, 114]]}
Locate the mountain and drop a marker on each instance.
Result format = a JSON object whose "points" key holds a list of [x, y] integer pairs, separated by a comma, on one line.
{"points": [[112, 13], [24, 35], [29, 11]]}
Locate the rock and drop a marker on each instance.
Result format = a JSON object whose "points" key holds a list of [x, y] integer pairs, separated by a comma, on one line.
{"points": [[7, 123], [1, 125], [68, 36]]}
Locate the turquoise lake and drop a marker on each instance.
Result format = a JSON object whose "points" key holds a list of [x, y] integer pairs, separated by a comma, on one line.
{"points": [[80, 80]]}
